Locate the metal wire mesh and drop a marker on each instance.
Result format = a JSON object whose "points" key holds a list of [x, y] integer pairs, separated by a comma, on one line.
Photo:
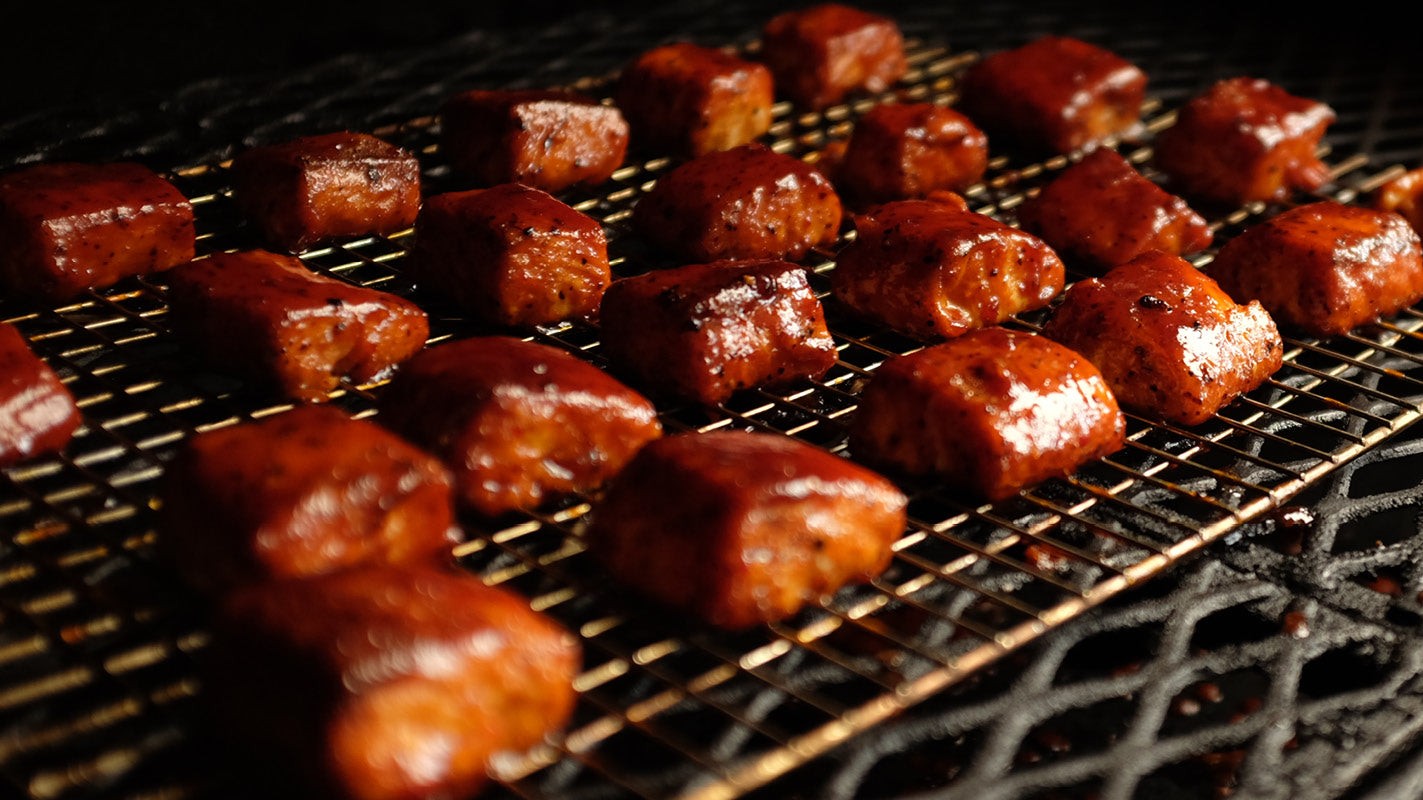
{"points": [[98, 695]]}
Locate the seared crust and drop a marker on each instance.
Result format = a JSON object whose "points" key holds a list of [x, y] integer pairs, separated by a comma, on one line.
{"points": [[1403, 195], [688, 99], [511, 255], [704, 331], [1324, 268], [302, 493], [549, 139], [319, 188], [900, 151], [518, 423], [745, 203], [1101, 212], [1171, 344], [38, 414], [1055, 94], [268, 318], [741, 528], [991, 413], [387, 683], [1245, 139], [65, 228], [821, 54], [934, 269]]}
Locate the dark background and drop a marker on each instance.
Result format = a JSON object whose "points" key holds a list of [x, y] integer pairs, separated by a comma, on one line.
{"points": [[82, 60]]}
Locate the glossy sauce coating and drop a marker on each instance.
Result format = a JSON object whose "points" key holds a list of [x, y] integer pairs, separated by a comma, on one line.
{"points": [[1404, 195], [1055, 94], [268, 318], [308, 491], [511, 254], [991, 412], [318, 188], [1245, 139], [744, 203], [821, 54], [934, 269], [1171, 344], [549, 139], [387, 682], [704, 331], [38, 414], [689, 99], [1102, 212], [901, 151], [1324, 268], [68, 227], [741, 528], [519, 423]]}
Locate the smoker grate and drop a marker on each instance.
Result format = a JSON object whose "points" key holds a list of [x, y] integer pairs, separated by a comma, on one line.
{"points": [[98, 696]]}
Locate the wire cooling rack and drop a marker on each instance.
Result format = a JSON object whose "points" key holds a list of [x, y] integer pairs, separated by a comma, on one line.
{"points": [[98, 694]]}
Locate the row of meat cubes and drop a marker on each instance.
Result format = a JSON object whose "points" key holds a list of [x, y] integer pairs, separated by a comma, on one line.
{"points": [[320, 538]]}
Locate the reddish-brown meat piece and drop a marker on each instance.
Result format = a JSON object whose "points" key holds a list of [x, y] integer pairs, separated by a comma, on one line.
{"points": [[704, 331], [936, 270], [549, 139], [386, 683], [1243, 140], [308, 491], [688, 99], [511, 254], [741, 528], [821, 54], [38, 414], [991, 412], [1403, 195], [1055, 94], [519, 423], [1102, 212], [747, 202], [69, 227], [319, 188], [1324, 268], [900, 151], [268, 318], [1171, 344]]}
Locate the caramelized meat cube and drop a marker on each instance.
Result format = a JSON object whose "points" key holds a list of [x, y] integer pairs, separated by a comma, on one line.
{"points": [[744, 203], [900, 151], [511, 254], [519, 423], [1055, 94], [1170, 343], [991, 412], [268, 318], [386, 682], [319, 188], [38, 414], [1324, 268], [688, 99], [1102, 212], [1403, 195], [934, 269], [305, 492], [69, 227], [1243, 140], [549, 139], [704, 331], [821, 54], [741, 528]]}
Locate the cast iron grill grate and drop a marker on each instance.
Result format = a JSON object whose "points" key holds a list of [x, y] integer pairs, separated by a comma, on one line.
{"points": [[98, 697]]}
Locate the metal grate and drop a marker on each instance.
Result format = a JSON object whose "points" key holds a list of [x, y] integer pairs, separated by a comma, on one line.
{"points": [[97, 694]]}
